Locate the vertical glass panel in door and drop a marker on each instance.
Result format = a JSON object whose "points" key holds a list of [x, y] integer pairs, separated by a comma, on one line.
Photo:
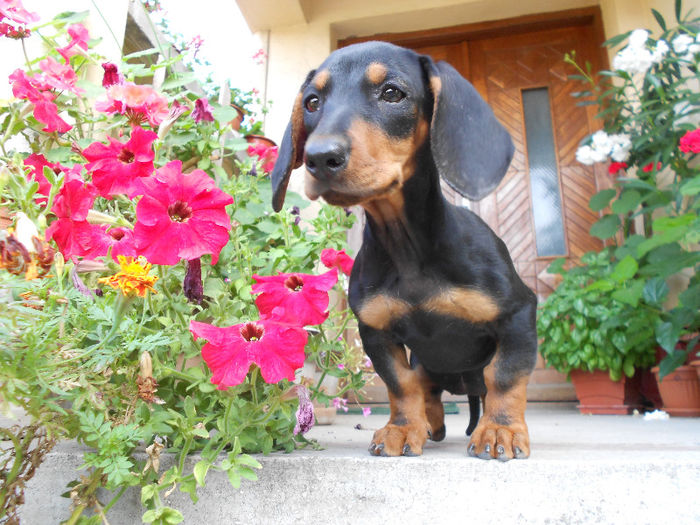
{"points": [[544, 175]]}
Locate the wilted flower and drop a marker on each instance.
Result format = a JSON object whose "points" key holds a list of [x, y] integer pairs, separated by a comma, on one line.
{"points": [[202, 111], [276, 348], [111, 75], [305, 412], [192, 287]]}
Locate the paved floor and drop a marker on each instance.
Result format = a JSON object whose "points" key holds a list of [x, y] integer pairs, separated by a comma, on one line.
{"points": [[583, 469], [557, 431]]}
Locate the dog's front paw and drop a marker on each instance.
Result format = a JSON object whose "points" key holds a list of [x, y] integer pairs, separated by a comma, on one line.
{"points": [[503, 442], [399, 440]]}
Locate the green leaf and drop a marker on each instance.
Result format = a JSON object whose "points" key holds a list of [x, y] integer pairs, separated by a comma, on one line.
{"points": [[179, 80], [631, 294], [625, 269], [145, 52], [147, 493], [234, 478], [223, 114], [58, 154], [672, 361], [71, 17], [606, 227], [659, 19], [691, 187], [200, 471], [601, 199], [667, 335], [655, 291], [628, 201]]}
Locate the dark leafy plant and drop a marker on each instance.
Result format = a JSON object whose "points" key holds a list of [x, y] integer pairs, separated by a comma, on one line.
{"points": [[650, 106]]}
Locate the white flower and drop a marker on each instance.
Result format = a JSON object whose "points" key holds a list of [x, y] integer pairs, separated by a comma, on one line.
{"points": [[638, 38], [659, 51], [633, 60], [681, 43], [588, 155], [601, 142], [585, 155], [621, 145], [25, 230]]}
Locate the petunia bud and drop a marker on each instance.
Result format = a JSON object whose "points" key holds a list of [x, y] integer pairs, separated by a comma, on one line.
{"points": [[60, 263], [192, 286], [111, 75]]}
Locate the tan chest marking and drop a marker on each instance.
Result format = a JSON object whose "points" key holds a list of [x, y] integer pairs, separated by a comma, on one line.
{"points": [[380, 311], [464, 303]]}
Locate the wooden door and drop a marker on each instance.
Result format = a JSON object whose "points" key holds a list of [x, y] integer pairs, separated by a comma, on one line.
{"points": [[520, 71]]}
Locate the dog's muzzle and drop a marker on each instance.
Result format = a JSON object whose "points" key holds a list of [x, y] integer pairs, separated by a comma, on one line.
{"points": [[326, 157]]}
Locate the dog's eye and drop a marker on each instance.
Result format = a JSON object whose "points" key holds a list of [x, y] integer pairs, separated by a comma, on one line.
{"points": [[392, 94], [312, 103]]}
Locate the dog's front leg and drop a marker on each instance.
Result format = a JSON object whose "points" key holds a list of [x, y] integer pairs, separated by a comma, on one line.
{"points": [[502, 432], [408, 427]]}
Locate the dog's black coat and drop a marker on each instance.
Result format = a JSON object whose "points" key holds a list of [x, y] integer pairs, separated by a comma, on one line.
{"points": [[378, 125]]}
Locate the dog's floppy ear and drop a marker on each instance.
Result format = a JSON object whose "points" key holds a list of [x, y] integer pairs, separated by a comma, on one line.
{"points": [[471, 149], [291, 151]]}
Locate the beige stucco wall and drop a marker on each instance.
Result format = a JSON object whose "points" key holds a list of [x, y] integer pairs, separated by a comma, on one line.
{"points": [[302, 32]]}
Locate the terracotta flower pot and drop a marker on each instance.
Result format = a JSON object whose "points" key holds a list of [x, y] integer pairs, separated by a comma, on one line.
{"points": [[680, 391], [598, 394], [236, 122], [254, 140]]}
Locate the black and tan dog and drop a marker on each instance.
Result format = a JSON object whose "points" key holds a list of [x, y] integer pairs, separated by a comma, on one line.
{"points": [[378, 125]]}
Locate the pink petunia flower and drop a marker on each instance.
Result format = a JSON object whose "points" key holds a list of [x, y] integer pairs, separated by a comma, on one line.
{"points": [[277, 349], [59, 76], [79, 37], [72, 233], [202, 111], [366, 411], [37, 162], [337, 259], [690, 142], [296, 298], [266, 154], [139, 103], [116, 166], [45, 111], [615, 167], [15, 11], [181, 216], [122, 242]]}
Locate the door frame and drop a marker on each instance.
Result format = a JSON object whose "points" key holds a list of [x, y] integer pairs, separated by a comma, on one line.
{"points": [[496, 28]]}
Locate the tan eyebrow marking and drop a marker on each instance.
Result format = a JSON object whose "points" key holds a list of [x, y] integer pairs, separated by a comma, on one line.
{"points": [[321, 79], [376, 72]]}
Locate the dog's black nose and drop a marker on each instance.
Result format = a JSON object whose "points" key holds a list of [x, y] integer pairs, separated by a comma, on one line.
{"points": [[325, 157]]}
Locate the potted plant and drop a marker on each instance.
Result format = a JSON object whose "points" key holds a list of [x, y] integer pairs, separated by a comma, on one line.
{"points": [[651, 110], [588, 332]]}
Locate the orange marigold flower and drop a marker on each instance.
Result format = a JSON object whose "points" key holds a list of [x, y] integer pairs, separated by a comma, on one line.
{"points": [[133, 277]]}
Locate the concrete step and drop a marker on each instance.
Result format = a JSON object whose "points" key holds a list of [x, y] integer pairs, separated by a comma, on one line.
{"points": [[583, 469]]}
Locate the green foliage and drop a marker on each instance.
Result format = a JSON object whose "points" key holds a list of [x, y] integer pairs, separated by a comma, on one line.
{"points": [[651, 216], [593, 321], [122, 375]]}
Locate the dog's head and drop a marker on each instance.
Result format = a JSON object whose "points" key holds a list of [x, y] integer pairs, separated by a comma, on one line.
{"points": [[360, 118]]}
